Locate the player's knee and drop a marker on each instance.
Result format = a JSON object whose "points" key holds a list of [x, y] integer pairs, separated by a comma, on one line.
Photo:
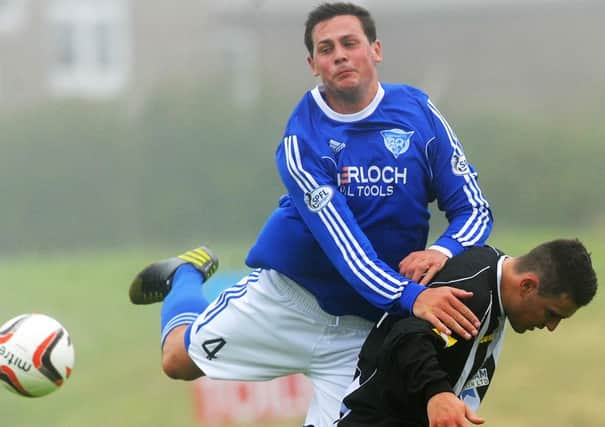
{"points": [[177, 365], [170, 365]]}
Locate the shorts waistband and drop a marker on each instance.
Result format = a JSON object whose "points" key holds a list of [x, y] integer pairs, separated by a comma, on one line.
{"points": [[306, 302]]}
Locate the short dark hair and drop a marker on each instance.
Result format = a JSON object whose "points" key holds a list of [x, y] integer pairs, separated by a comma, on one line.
{"points": [[564, 266], [326, 11]]}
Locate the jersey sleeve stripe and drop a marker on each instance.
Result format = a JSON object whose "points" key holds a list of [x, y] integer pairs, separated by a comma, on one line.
{"points": [[448, 129], [337, 229], [304, 182], [343, 230], [356, 265], [485, 222], [479, 215], [347, 237], [307, 183], [479, 219], [366, 259], [356, 259]]}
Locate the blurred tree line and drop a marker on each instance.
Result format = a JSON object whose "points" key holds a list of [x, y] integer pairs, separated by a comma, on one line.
{"points": [[191, 167]]}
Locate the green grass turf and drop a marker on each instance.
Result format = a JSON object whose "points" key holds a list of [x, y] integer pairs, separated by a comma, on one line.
{"points": [[544, 380]]}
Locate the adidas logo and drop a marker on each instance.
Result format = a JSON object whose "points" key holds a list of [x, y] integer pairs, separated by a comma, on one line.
{"points": [[336, 146]]}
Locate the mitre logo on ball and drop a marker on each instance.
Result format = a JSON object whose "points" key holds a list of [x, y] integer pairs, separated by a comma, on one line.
{"points": [[36, 355]]}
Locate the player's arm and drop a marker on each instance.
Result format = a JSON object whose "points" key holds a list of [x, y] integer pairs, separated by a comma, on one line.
{"points": [[456, 188], [447, 410], [311, 184], [410, 364], [310, 178]]}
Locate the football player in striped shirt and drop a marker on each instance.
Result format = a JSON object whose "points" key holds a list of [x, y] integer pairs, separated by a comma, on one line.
{"points": [[411, 375]]}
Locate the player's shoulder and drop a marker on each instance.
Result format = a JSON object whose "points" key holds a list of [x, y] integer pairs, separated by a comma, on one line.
{"points": [[472, 268], [300, 117], [483, 254], [402, 90], [303, 107]]}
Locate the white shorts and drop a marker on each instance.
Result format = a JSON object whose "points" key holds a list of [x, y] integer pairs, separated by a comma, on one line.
{"points": [[267, 326]]}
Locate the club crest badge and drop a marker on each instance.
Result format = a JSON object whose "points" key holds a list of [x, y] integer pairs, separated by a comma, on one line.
{"points": [[397, 141]]}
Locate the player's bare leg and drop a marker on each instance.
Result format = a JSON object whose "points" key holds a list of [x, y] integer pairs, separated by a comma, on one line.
{"points": [[177, 282], [176, 362]]}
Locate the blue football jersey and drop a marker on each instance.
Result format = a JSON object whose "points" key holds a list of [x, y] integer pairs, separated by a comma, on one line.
{"points": [[358, 189]]}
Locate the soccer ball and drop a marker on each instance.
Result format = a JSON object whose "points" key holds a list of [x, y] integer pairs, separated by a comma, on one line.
{"points": [[36, 355]]}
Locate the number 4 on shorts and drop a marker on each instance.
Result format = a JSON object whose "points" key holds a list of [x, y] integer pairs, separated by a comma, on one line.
{"points": [[211, 347]]}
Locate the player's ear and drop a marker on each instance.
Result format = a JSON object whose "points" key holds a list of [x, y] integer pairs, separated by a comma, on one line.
{"points": [[311, 63], [377, 51], [529, 283]]}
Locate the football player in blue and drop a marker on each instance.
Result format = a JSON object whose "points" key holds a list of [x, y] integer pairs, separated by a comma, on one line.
{"points": [[361, 161]]}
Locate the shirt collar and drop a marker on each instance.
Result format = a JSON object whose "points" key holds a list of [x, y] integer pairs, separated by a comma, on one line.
{"points": [[347, 118]]}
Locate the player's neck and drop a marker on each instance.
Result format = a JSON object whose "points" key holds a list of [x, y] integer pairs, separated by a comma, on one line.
{"points": [[351, 101], [507, 284]]}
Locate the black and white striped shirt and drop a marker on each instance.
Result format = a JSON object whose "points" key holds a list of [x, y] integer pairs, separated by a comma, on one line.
{"points": [[405, 361]]}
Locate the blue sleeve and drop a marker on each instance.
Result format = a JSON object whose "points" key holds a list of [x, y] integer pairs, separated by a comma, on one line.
{"points": [[310, 179], [457, 190]]}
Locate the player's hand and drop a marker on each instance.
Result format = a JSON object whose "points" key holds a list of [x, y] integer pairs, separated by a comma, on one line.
{"points": [[421, 266], [446, 410], [443, 309]]}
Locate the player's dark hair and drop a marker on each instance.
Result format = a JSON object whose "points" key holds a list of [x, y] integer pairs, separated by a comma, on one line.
{"points": [[326, 11], [564, 267]]}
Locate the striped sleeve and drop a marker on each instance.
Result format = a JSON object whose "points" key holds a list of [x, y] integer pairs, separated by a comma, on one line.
{"points": [[456, 186], [324, 210]]}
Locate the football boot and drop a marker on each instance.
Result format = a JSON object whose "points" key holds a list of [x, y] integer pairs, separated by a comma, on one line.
{"points": [[154, 282]]}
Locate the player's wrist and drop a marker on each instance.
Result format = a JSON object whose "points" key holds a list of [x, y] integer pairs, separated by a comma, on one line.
{"points": [[409, 296], [436, 387], [445, 251], [447, 246]]}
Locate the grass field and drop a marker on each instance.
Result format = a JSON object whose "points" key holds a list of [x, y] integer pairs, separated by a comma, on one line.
{"points": [[544, 380]]}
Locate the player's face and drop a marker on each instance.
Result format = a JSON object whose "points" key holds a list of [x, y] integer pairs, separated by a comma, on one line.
{"points": [[344, 58], [540, 311]]}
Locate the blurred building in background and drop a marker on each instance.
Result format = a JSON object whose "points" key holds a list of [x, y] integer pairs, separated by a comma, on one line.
{"points": [[126, 121], [60, 48], [94, 49], [99, 49]]}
